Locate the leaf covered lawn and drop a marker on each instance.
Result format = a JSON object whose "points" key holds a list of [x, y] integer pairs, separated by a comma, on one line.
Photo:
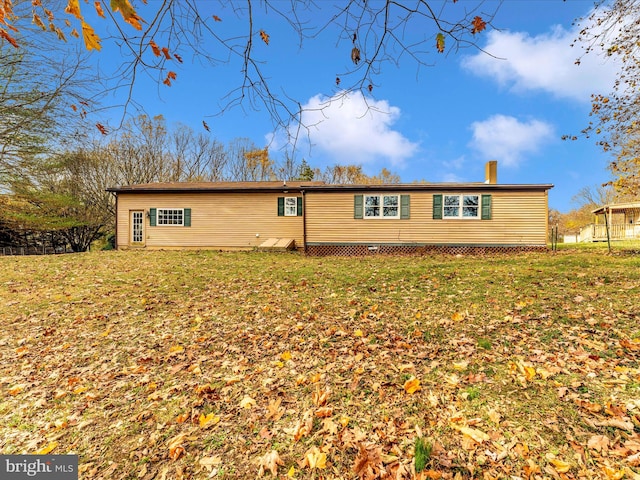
{"points": [[194, 365]]}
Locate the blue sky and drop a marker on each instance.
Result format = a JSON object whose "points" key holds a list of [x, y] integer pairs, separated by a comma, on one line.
{"points": [[438, 123]]}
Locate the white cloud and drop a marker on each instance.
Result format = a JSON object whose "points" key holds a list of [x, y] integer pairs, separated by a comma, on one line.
{"points": [[543, 62], [507, 139], [351, 129]]}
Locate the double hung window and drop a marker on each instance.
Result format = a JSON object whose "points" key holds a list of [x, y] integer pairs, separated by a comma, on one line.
{"points": [[461, 206], [382, 206]]}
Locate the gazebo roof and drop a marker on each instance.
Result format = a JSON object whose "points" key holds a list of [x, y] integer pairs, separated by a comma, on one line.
{"points": [[616, 207]]}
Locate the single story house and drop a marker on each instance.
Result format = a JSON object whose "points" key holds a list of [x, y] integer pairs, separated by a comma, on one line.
{"points": [[621, 219], [325, 219]]}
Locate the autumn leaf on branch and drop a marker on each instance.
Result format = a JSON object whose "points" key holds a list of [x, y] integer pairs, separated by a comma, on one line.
{"points": [[99, 10], [217, 18], [38, 21], [73, 8], [440, 42], [101, 128], [478, 25], [155, 48], [170, 76], [8, 38], [165, 52], [264, 36], [91, 40], [206, 127], [355, 55], [128, 13]]}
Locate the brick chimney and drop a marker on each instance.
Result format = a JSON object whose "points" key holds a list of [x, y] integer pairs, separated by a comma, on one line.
{"points": [[491, 172]]}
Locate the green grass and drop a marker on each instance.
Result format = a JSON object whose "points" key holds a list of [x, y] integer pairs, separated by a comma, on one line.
{"points": [[521, 360]]}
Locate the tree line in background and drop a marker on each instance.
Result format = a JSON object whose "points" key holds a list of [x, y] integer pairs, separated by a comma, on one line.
{"points": [[59, 198], [53, 177]]}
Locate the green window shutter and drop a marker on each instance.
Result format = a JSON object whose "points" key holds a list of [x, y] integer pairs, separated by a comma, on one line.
{"points": [[187, 217], [486, 207], [152, 217], [404, 206], [299, 210], [437, 207], [281, 206], [357, 206]]}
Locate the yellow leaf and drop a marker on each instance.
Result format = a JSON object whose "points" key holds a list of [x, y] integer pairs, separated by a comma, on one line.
{"points": [[176, 349], [358, 333], [560, 466], [529, 372], [128, 12], [285, 356], [462, 365], [314, 458], [613, 474], [205, 420], [477, 435], [247, 402], [456, 317], [13, 391], [292, 472], [91, 40], [73, 8], [412, 385], [47, 449]]}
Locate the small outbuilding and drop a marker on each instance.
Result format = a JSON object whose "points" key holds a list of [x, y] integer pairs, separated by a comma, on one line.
{"points": [[622, 220], [325, 219]]}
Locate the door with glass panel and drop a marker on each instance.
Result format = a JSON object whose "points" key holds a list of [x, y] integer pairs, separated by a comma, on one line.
{"points": [[137, 227]]}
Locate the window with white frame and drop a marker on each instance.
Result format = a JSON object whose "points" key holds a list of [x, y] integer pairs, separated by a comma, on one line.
{"points": [[290, 206], [170, 216], [382, 206], [461, 206]]}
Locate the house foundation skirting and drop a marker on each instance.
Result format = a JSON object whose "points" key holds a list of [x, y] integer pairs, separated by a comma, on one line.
{"points": [[386, 249]]}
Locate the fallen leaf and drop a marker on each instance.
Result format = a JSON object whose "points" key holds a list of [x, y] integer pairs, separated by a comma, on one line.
{"points": [[247, 402], [47, 449], [412, 385], [270, 461], [315, 459], [210, 462], [210, 419]]}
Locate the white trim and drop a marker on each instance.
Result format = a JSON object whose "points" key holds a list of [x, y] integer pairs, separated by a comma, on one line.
{"points": [[132, 227], [381, 206], [181, 224], [460, 206], [295, 207]]}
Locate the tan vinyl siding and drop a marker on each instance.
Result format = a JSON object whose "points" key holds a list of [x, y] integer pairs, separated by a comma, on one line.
{"points": [[518, 218], [218, 220]]}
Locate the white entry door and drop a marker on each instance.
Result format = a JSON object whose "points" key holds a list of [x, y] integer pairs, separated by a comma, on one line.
{"points": [[137, 227]]}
